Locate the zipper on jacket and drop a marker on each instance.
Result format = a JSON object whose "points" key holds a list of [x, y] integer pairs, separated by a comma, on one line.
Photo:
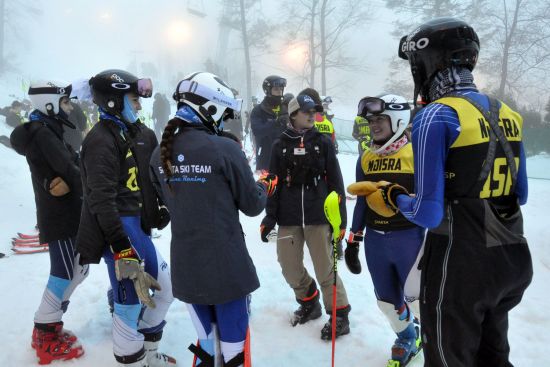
{"points": [[303, 210]]}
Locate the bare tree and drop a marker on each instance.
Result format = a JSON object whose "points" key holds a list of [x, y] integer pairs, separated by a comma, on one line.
{"points": [[328, 24], [516, 45], [246, 17]]}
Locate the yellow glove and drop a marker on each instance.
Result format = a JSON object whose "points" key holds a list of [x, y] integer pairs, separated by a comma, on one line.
{"points": [[364, 188], [383, 201]]}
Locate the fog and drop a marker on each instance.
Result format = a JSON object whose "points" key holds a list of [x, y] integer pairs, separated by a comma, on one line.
{"points": [[68, 40]]}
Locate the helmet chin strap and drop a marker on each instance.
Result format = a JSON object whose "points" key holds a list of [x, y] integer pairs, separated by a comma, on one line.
{"points": [[209, 121]]}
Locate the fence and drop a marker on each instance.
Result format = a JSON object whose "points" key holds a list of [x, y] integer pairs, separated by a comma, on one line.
{"points": [[346, 143], [535, 140]]}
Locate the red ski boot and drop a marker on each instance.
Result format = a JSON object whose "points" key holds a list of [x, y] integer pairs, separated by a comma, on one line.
{"points": [[50, 344], [64, 334]]}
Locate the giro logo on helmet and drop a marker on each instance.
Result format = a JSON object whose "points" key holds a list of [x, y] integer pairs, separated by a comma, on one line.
{"points": [[408, 46]]}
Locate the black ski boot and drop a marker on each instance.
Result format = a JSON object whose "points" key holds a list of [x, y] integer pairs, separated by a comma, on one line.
{"points": [[310, 308], [342, 324]]}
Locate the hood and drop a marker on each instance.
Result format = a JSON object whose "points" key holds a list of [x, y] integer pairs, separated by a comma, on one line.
{"points": [[21, 137]]}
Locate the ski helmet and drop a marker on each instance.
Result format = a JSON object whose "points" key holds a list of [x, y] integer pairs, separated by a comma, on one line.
{"points": [[110, 86], [287, 97], [395, 107], [210, 97], [273, 81], [437, 45], [45, 96]]}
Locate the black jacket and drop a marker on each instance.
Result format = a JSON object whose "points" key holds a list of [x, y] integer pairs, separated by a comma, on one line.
{"points": [[212, 182], [111, 190], [305, 180], [48, 156], [266, 126], [145, 142]]}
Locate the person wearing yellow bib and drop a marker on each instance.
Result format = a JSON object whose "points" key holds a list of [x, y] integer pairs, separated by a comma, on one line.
{"points": [[470, 180], [392, 243], [361, 133]]}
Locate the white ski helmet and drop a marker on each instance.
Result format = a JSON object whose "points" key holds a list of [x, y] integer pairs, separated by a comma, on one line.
{"points": [[395, 107], [45, 96], [209, 96]]}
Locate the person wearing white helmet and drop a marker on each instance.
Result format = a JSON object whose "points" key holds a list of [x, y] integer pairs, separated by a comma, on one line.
{"points": [[205, 180], [55, 174], [392, 243]]}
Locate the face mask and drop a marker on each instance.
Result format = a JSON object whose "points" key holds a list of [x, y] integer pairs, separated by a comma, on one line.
{"points": [[128, 112]]}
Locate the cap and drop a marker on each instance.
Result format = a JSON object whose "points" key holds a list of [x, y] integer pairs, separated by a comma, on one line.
{"points": [[304, 103]]}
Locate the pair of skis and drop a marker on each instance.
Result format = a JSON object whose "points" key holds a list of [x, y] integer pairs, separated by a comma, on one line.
{"points": [[26, 244]]}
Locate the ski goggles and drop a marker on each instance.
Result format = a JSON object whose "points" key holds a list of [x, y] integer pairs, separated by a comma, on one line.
{"points": [[278, 83], [145, 87], [63, 91], [188, 86], [374, 105]]}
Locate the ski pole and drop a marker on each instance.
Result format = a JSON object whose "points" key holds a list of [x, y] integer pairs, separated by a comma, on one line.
{"points": [[332, 212]]}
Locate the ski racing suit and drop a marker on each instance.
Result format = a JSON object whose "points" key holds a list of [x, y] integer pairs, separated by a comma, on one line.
{"points": [[392, 245], [476, 262], [111, 217]]}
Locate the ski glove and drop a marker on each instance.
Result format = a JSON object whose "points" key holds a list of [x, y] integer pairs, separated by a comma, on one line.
{"points": [[351, 255], [58, 187], [128, 266], [269, 181], [164, 217], [268, 224], [384, 200]]}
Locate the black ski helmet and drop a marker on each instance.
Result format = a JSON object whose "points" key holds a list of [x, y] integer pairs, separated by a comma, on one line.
{"points": [[273, 81], [437, 45], [109, 87], [287, 97]]}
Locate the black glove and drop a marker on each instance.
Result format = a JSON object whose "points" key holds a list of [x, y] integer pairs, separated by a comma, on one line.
{"points": [[268, 224], [351, 254], [164, 217]]}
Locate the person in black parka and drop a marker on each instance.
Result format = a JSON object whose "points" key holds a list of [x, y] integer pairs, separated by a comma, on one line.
{"points": [[58, 195]]}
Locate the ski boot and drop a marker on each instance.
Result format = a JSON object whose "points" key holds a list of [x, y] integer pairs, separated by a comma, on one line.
{"points": [[51, 343], [407, 345], [310, 308], [152, 356], [63, 334], [342, 324]]}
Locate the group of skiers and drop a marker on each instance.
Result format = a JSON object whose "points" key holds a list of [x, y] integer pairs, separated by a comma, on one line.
{"points": [[438, 212]]}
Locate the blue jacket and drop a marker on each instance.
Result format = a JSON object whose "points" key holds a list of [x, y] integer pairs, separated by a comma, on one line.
{"points": [[212, 182]]}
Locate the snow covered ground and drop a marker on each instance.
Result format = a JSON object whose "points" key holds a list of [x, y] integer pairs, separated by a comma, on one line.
{"points": [[274, 341]]}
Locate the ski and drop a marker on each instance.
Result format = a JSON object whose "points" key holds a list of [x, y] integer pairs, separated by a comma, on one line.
{"points": [[26, 236], [30, 250], [24, 240], [32, 244]]}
